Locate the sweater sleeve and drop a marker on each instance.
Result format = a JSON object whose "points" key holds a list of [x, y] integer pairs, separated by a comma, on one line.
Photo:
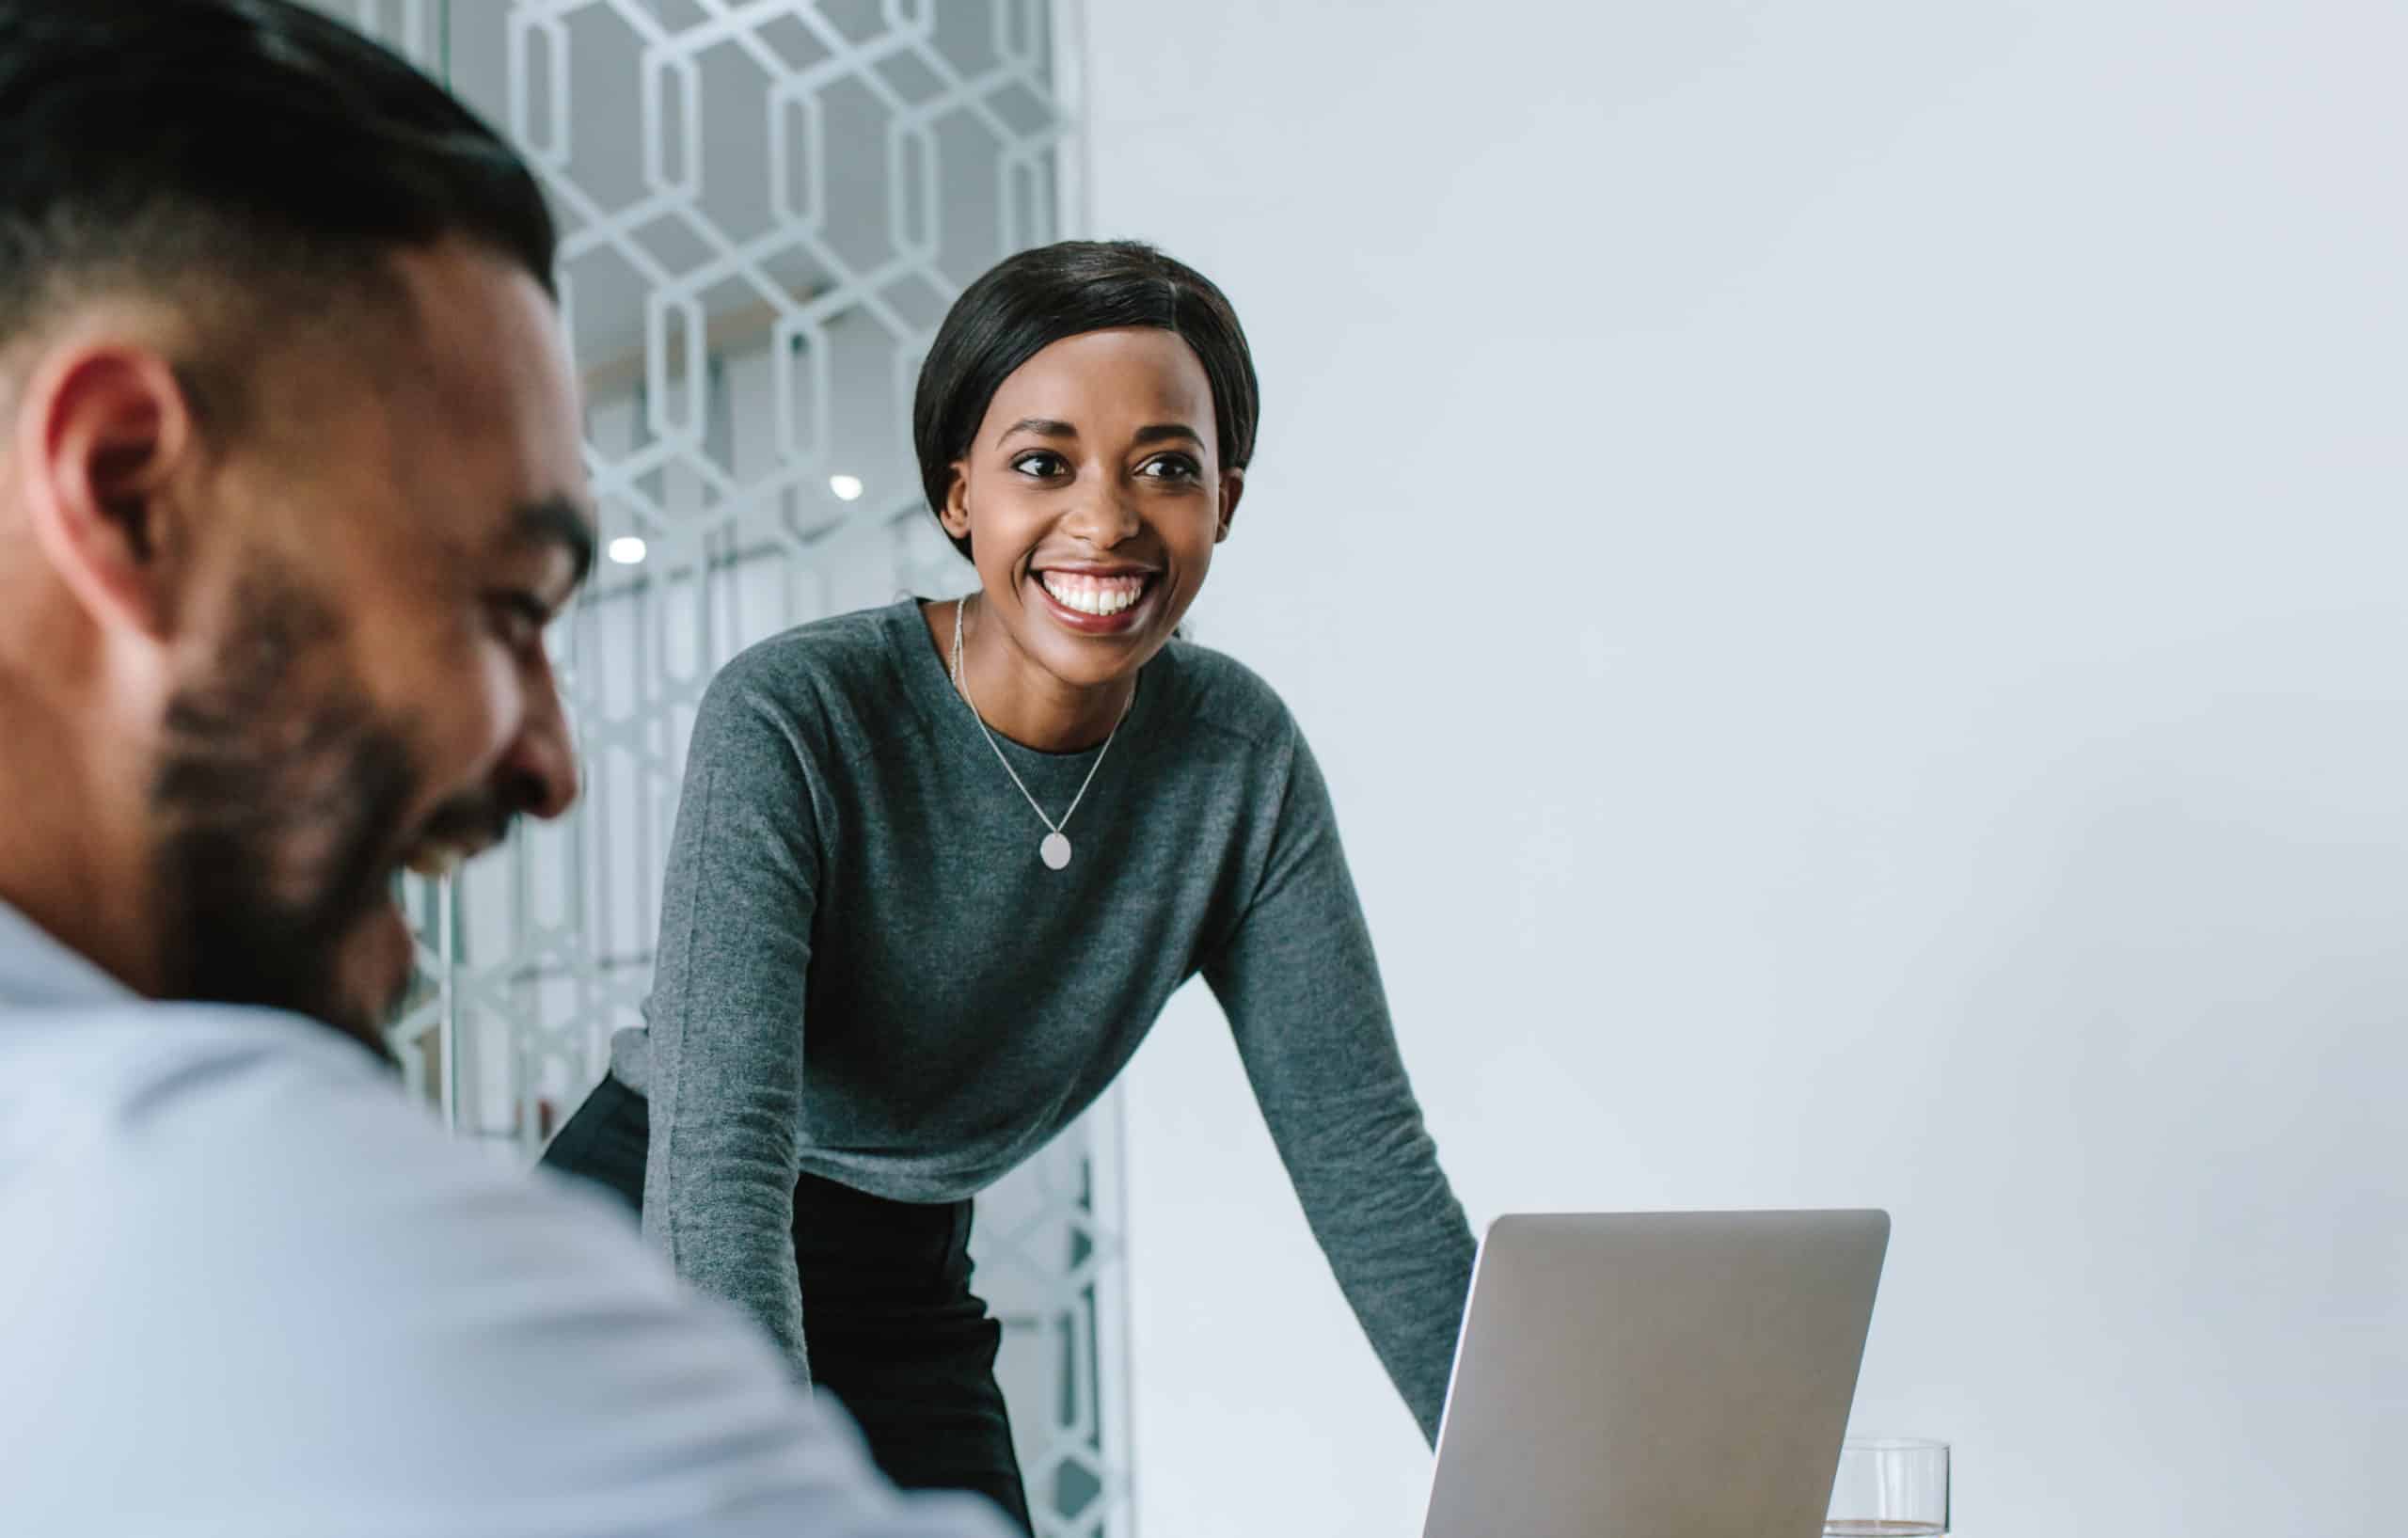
{"points": [[725, 1017], [1302, 991]]}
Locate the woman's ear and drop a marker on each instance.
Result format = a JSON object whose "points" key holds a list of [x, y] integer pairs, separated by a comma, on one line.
{"points": [[1232, 487], [954, 514]]}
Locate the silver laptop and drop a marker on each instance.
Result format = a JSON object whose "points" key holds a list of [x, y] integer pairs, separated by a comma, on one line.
{"points": [[1655, 1375]]}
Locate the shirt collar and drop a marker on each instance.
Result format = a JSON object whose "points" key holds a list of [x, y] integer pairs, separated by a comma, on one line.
{"points": [[37, 972]]}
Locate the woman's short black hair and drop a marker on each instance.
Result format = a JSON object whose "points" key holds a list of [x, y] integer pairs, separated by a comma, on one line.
{"points": [[1028, 301]]}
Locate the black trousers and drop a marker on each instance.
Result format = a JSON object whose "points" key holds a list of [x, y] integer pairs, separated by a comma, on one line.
{"points": [[895, 1332]]}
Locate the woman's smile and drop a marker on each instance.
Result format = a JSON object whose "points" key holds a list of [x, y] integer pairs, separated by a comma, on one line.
{"points": [[1095, 600]]}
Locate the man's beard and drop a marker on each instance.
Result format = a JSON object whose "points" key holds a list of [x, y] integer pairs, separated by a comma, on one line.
{"points": [[281, 798]]}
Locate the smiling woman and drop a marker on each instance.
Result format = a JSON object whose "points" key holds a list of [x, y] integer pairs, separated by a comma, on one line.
{"points": [[1090, 497], [885, 978]]}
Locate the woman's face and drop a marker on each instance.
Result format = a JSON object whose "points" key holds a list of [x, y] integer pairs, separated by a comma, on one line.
{"points": [[1092, 497]]}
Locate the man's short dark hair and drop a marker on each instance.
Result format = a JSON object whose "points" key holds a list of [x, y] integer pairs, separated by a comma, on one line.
{"points": [[252, 146]]}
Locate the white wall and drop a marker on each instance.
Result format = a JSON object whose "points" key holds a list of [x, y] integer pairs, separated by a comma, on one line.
{"points": [[1846, 564]]}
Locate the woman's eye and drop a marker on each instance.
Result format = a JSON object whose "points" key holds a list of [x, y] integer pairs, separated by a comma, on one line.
{"points": [[1171, 467], [1042, 465]]}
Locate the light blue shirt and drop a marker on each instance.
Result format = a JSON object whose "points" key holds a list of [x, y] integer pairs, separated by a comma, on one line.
{"points": [[247, 1288]]}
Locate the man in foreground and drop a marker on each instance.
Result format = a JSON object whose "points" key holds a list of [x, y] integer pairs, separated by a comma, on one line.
{"points": [[290, 487]]}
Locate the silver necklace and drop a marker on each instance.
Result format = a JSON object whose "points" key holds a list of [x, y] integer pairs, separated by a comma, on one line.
{"points": [[1056, 849]]}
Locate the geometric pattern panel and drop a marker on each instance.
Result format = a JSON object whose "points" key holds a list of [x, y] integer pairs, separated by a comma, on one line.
{"points": [[766, 208]]}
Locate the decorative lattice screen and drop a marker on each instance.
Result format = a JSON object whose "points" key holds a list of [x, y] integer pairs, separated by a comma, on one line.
{"points": [[767, 208]]}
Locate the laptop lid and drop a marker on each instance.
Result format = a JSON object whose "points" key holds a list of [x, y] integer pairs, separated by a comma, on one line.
{"points": [[1662, 1376]]}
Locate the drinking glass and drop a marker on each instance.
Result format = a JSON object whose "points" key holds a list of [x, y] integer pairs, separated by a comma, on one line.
{"points": [[1889, 1487]]}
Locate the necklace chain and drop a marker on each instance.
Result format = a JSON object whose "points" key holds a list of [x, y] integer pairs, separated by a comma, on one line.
{"points": [[961, 685]]}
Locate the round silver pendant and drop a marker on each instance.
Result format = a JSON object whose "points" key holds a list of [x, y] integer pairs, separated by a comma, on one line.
{"points": [[1055, 852]]}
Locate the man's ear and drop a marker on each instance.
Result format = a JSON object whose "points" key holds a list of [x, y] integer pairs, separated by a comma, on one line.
{"points": [[956, 512], [1232, 487], [103, 432]]}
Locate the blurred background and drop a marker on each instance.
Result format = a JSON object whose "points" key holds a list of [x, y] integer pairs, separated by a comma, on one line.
{"points": [[1845, 566]]}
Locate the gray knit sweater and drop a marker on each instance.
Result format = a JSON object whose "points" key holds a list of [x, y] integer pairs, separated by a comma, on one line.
{"points": [[866, 972]]}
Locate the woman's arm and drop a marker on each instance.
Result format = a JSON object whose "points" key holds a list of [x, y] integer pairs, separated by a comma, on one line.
{"points": [[1302, 991], [726, 1013]]}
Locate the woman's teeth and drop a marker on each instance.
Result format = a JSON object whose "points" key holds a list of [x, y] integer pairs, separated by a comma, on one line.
{"points": [[1102, 597]]}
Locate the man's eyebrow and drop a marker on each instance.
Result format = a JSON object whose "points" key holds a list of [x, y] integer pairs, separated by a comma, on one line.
{"points": [[557, 521]]}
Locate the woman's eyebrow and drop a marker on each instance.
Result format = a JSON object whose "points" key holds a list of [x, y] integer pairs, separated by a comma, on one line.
{"points": [[1160, 432], [1154, 432], [1044, 427]]}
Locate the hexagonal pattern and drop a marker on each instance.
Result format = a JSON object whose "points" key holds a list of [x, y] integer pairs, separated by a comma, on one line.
{"points": [[764, 209]]}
